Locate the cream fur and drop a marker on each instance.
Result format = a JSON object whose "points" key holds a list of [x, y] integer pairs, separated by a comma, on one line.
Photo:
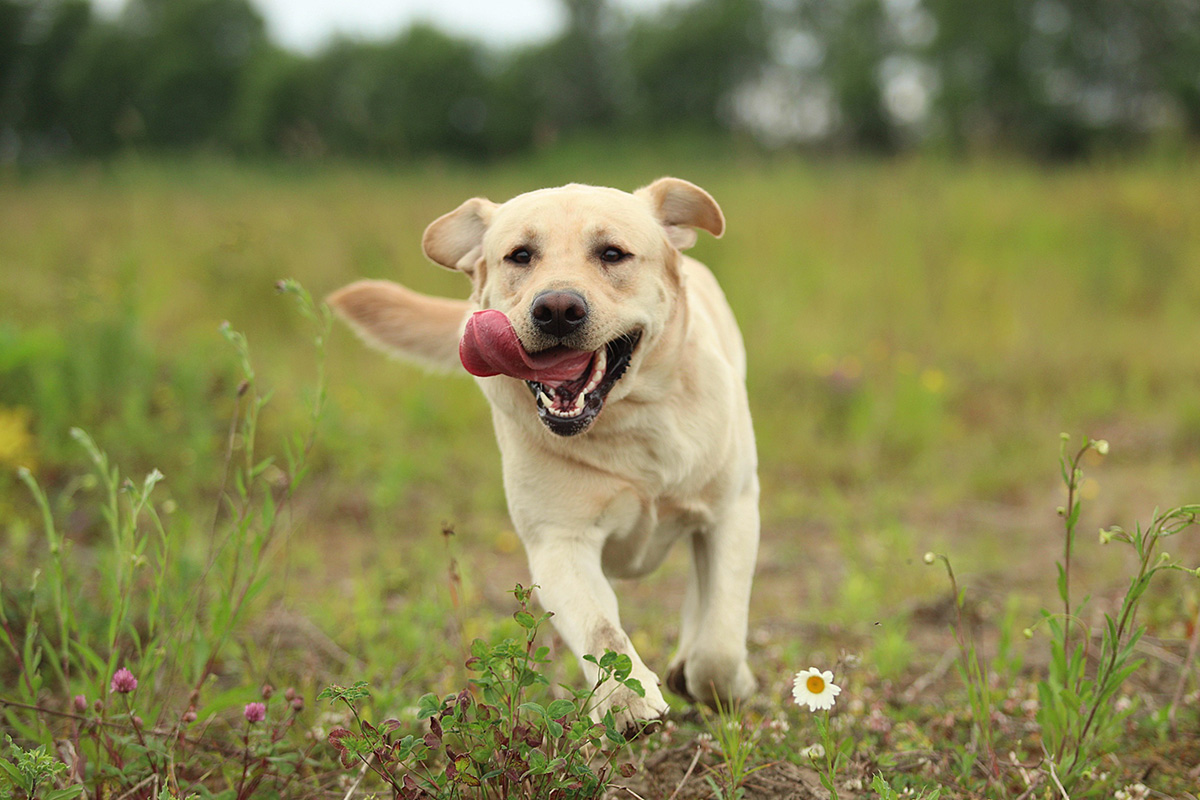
{"points": [[671, 455]]}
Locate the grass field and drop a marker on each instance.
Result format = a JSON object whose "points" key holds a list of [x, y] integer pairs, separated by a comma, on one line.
{"points": [[919, 334]]}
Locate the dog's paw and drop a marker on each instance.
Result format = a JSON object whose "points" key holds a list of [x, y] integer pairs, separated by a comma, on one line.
{"points": [[677, 682], [708, 679], [631, 714]]}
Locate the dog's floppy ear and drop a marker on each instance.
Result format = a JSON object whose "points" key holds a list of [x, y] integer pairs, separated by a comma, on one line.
{"points": [[680, 207], [455, 240]]}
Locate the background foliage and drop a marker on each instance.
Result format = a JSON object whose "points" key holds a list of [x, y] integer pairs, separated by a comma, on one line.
{"points": [[1051, 78], [920, 329]]}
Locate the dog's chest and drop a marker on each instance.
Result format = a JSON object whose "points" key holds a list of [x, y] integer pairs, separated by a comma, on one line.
{"points": [[641, 532], [673, 448]]}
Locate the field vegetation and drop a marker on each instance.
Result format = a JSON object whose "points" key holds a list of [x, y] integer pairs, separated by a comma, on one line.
{"points": [[204, 483]]}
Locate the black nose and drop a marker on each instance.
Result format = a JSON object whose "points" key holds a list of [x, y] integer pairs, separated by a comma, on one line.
{"points": [[558, 313]]}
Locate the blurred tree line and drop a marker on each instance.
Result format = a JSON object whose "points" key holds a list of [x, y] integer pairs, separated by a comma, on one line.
{"points": [[1051, 78]]}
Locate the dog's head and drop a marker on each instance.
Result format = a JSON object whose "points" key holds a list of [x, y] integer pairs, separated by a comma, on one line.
{"points": [[574, 282]]}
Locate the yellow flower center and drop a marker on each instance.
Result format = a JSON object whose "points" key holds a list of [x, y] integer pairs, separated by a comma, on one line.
{"points": [[815, 684]]}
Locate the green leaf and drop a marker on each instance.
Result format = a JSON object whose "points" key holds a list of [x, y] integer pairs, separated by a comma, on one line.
{"points": [[882, 788], [532, 708], [268, 511], [64, 794], [428, 706], [14, 777], [614, 735], [350, 695], [559, 709], [97, 664], [538, 762], [622, 666]]}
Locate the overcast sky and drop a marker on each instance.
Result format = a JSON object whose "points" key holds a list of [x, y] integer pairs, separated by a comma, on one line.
{"points": [[307, 24]]}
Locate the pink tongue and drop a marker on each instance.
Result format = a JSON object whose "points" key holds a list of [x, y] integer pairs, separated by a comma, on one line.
{"points": [[489, 346]]}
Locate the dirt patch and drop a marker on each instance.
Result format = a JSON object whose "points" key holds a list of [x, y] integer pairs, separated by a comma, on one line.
{"points": [[682, 773]]}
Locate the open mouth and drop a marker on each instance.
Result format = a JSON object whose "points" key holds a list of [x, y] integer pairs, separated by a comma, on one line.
{"points": [[570, 407]]}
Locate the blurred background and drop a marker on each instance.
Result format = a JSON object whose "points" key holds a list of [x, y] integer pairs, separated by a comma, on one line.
{"points": [[956, 230], [1051, 79]]}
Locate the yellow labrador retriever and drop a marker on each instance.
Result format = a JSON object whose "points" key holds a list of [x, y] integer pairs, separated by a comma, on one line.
{"points": [[616, 376]]}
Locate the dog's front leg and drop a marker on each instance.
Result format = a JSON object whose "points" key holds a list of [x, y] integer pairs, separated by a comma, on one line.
{"points": [[572, 585], [710, 664]]}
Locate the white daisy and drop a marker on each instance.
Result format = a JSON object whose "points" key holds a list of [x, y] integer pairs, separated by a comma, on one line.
{"points": [[815, 689], [814, 751]]}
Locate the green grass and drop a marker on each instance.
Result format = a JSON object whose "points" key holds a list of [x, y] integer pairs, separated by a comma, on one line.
{"points": [[918, 332]]}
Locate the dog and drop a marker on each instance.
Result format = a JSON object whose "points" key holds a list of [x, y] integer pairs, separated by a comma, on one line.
{"points": [[616, 376]]}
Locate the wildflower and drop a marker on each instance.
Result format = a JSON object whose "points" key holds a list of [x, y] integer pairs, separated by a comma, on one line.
{"points": [[814, 751], [81, 704], [776, 728], [1134, 791], [189, 716], [267, 691], [815, 689], [1101, 446], [255, 712], [930, 558], [297, 703], [123, 681]]}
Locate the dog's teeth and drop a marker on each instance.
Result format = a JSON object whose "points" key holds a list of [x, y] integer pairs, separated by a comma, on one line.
{"points": [[579, 401], [546, 401], [598, 371]]}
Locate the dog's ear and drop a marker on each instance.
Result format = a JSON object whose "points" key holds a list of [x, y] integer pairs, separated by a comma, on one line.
{"points": [[680, 207], [455, 240]]}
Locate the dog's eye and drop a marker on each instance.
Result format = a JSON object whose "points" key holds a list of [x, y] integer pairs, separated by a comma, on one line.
{"points": [[611, 255], [519, 256]]}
